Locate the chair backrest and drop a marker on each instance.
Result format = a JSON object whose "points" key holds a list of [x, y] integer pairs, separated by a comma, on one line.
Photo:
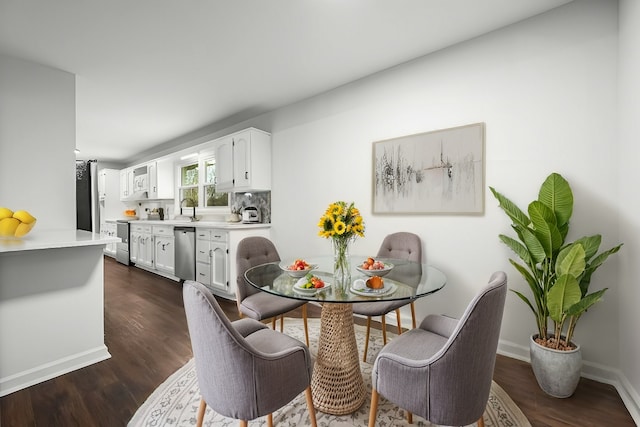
{"points": [[224, 360], [252, 251], [401, 245], [460, 378]]}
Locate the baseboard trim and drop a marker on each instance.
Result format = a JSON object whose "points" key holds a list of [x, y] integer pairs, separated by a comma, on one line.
{"points": [[590, 370], [53, 369]]}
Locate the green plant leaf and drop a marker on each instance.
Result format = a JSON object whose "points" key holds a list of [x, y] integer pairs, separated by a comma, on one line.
{"points": [[593, 266], [516, 215], [545, 228], [585, 303], [530, 240], [556, 194], [571, 261], [562, 295], [517, 247], [591, 244]]}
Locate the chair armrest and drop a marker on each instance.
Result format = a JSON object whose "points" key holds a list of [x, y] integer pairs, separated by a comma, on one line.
{"points": [[439, 324], [246, 326]]}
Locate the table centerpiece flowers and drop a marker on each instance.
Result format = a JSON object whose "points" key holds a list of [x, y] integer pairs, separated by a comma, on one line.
{"points": [[341, 223]]}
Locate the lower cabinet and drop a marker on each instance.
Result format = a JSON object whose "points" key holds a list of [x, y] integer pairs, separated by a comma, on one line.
{"points": [[109, 229], [141, 246], [216, 257], [164, 254]]}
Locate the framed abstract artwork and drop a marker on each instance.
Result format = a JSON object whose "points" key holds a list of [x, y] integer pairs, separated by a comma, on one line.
{"points": [[438, 172]]}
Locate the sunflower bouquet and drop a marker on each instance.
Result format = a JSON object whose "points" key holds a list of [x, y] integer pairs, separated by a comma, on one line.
{"points": [[341, 223]]}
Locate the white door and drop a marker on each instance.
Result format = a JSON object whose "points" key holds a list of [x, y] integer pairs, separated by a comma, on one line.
{"points": [[219, 265], [134, 247], [241, 160], [164, 254], [224, 164], [148, 250]]}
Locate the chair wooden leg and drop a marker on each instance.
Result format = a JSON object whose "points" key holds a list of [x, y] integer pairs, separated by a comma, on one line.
{"points": [[374, 408], [413, 316], [384, 329], [481, 421], [273, 322], [200, 416], [270, 420], [399, 324], [409, 417], [366, 340], [282, 323], [244, 423], [304, 319], [312, 409]]}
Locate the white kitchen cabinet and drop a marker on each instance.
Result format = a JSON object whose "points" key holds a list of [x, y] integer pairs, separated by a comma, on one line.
{"points": [[216, 257], [243, 161], [219, 259], [203, 256], [102, 184], [212, 259], [161, 185], [109, 229], [126, 183], [141, 245], [164, 249]]}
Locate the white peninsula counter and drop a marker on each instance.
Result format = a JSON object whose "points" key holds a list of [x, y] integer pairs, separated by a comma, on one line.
{"points": [[51, 305]]}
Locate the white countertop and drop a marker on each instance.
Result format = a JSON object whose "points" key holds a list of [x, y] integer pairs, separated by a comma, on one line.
{"points": [[54, 239], [202, 224]]}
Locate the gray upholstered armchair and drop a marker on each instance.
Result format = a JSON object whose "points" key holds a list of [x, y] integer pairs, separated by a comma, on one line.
{"points": [[253, 303], [245, 370], [442, 370], [400, 245]]}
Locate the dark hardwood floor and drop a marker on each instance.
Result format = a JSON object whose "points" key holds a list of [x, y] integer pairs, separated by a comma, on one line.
{"points": [[146, 333]]}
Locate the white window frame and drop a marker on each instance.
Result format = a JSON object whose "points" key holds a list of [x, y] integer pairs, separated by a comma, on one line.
{"points": [[201, 208]]}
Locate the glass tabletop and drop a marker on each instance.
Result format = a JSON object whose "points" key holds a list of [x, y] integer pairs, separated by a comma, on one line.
{"points": [[406, 280]]}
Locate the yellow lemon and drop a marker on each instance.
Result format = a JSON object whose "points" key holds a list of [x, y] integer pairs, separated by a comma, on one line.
{"points": [[8, 226], [24, 228], [24, 216], [5, 213]]}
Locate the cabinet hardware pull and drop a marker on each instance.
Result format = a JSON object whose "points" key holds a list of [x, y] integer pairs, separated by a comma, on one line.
{"points": [[246, 175]]}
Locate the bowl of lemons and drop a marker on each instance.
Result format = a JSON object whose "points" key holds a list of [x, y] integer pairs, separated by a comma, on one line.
{"points": [[15, 224]]}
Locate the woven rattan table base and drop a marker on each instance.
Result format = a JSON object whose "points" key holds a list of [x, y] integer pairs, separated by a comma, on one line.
{"points": [[337, 384]]}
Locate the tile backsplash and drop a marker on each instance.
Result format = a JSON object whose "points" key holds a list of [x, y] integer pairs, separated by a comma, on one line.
{"points": [[262, 201], [237, 202]]}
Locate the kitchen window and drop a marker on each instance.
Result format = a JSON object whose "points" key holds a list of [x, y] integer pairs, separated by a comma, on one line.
{"points": [[197, 185]]}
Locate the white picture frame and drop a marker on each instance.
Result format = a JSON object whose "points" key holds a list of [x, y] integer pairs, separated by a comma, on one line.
{"points": [[437, 172]]}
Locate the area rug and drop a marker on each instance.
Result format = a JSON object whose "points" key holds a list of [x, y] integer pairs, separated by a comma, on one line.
{"points": [[175, 402]]}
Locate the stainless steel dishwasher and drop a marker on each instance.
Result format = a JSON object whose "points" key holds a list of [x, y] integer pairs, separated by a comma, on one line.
{"points": [[185, 252]]}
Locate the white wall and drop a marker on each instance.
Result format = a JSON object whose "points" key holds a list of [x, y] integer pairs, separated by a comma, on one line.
{"points": [[546, 89], [629, 91], [37, 139]]}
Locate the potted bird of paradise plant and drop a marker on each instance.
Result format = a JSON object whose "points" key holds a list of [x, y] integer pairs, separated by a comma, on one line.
{"points": [[559, 275]]}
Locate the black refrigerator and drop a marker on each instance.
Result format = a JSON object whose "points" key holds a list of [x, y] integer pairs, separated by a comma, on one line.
{"points": [[87, 204]]}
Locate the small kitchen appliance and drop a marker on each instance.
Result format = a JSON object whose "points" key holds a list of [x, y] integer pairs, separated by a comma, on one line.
{"points": [[250, 215]]}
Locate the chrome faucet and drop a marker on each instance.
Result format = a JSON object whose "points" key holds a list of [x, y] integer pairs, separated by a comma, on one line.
{"points": [[193, 205]]}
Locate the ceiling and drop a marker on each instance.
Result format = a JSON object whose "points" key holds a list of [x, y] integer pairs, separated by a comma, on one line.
{"points": [[149, 71]]}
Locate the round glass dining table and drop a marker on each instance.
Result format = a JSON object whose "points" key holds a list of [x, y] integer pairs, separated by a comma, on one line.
{"points": [[337, 384]]}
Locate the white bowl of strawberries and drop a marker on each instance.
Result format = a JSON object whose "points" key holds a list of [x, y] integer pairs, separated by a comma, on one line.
{"points": [[298, 268], [372, 267]]}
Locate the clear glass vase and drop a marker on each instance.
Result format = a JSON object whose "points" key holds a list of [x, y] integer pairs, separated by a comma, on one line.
{"points": [[341, 263]]}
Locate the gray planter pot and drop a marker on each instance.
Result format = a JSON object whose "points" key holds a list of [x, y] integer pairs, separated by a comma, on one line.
{"points": [[557, 372]]}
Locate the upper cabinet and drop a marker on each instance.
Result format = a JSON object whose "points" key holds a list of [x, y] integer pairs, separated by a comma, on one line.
{"points": [[126, 183], [243, 161], [161, 180], [153, 180]]}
